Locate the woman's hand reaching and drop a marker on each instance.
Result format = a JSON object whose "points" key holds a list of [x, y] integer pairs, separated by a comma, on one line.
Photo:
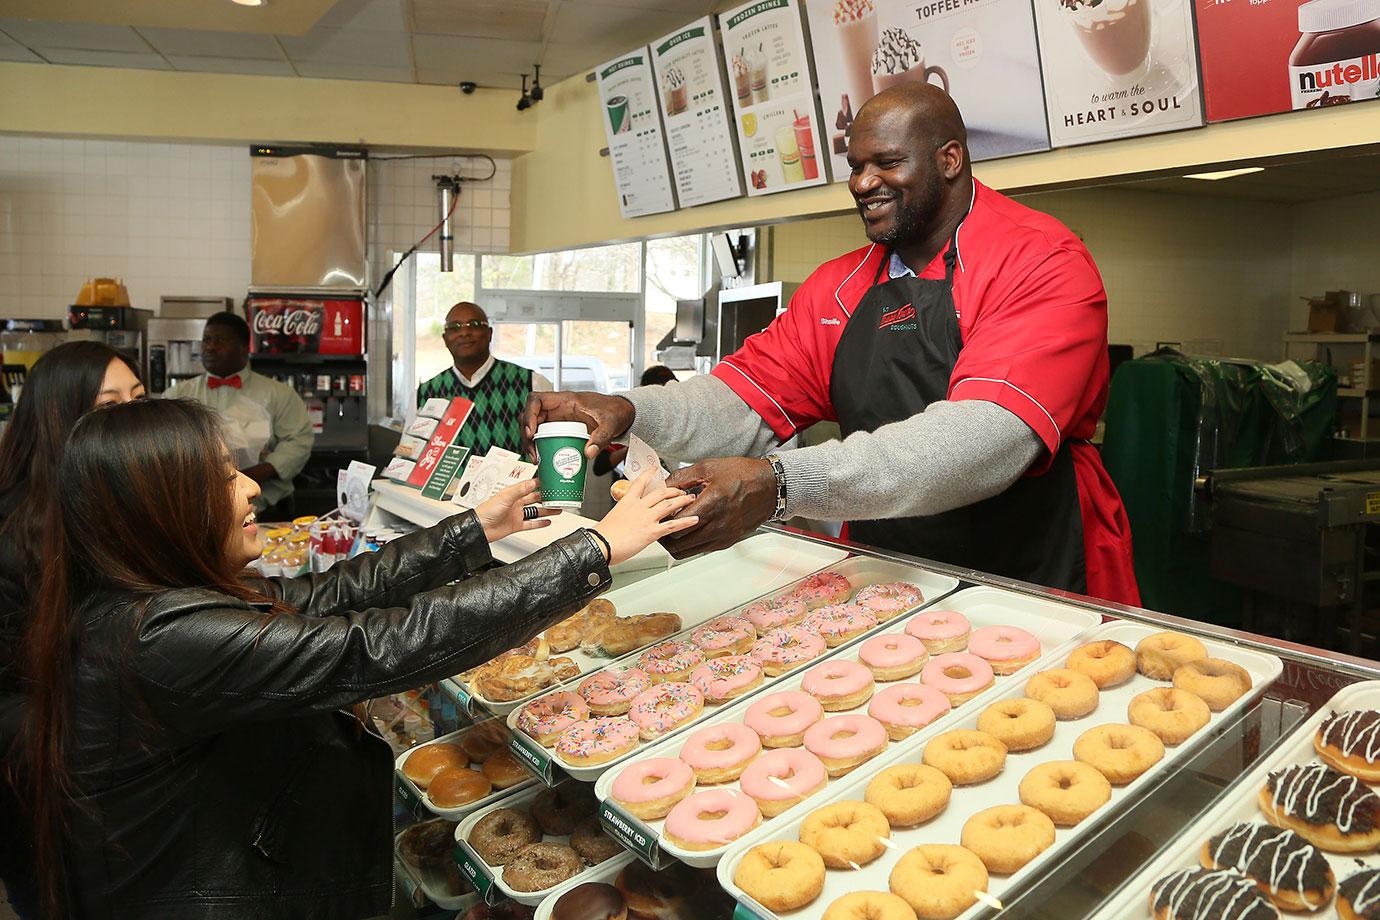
{"points": [[640, 518], [501, 515]]}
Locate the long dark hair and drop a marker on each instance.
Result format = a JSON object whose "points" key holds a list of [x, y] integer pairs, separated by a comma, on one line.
{"points": [[145, 506]]}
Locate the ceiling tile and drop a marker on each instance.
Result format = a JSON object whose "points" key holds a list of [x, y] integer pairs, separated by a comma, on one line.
{"points": [[146, 61], [690, 9], [378, 15], [477, 55], [83, 35], [343, 70], [509, 20], [12, 52], [213, 44], [279, 68], [492, 79], [585, 56], [363, 46], [588, 23]]}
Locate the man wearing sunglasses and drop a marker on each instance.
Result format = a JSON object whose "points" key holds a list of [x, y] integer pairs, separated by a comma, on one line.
{"points": [[498, 389]]}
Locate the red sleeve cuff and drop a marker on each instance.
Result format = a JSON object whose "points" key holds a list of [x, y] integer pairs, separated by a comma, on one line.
{"points": [[756, 396], [1020, 404]]}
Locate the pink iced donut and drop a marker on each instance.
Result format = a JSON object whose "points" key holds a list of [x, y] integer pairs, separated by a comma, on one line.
{"points": [[670, 661], [723, 679], [782, 718], [649, 788], [1006, 648], [838, 685], [719, 753], [822, 589], [958, 675], [709, 820], [611, 692], [889, 600], [596, 741], [905, 708], [838, 623], [725, 636], [775, 613], [940, 630], [779, 779], [665, 707], [843, 742], [893, 656], [782, 649], [544, 719]]}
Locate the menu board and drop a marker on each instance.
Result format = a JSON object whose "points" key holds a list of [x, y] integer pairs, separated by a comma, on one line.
{"points": [[982, 52], [1117, 68], [773, 96], [629, 109], [699, 131], [1261, 58]]}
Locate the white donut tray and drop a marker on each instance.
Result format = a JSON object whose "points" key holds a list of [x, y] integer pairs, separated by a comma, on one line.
{"points": [[431, 883], [1239, 804], [860, 572], [415, 799], [487, 879], [1056, 625], [946, 828], [697, 591]]}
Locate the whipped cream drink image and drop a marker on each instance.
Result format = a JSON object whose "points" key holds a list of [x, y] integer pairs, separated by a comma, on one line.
{"points": [[1114, 33]]}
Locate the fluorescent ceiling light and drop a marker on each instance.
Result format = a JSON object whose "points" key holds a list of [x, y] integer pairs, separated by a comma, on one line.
{"points": [[1224, 174], [249, 2]]}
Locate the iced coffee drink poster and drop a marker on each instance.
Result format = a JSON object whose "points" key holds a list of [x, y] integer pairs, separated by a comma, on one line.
{"points": [[982, 52], [695, 114], [628, 106], [773, 96], [1117, 68]]}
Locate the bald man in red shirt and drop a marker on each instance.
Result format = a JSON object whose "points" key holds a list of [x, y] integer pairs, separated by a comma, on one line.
{"points": [[963, 354]]}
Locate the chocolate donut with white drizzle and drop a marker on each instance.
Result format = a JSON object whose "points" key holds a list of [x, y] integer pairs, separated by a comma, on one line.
{"points": [[1201, 894], [1289, 870], [1329, 809], [1359, 897], [1350, 741]]}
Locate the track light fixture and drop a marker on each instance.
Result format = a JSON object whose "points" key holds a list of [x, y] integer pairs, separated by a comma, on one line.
{"points": [[537, 92], [524, 101]]}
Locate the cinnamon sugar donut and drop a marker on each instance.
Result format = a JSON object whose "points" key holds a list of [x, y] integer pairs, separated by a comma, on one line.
{"points": [[1159, 655], [846, 835], [1172, 714], [909, 794], [1006, 837], [1066, 790], [782, 875], [966, 757], [1108, 663], [1070, 694], [1216, 681], [1020, 723], [938, 881]]}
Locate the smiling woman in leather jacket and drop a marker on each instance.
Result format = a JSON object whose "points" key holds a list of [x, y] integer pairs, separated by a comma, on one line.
{"points": [[186, 753]]}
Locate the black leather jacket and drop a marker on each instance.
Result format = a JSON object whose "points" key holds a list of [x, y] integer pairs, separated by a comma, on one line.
{"points": [[218, 776]]}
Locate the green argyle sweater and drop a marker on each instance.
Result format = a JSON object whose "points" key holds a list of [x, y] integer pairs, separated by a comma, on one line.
{"points": [[499, 400]]}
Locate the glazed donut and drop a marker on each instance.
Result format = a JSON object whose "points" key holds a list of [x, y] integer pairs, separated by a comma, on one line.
{"points": [[775, 613], [780, 779], [941, 630], [938, 881], [546, 717], [485, 740], [1108, 663], [565, 635], [839, 623], [1159, 655], [822, 589], [904, 709], [597, 741], [782, 649], [426, 761], [958, 675], [1020, 723], [1006, 837], [1070, 694], [725, 636], [626, 634], [664, 708], [540, 866], [894, 656], [1172, 714], [846, 835], [649, 789], [909, 794], [1350, 742], [887, 601], [1006, 648], [709, 820], [838, 685], [782, 718], [456, 786], [559, 808], [1119, 752], [720, 753], [781, 875], [724, 679], [965, 757], [611, 692], [504, 770], [1065, 790], [591, 844], [498, 836], [1215, 681], [670, 661], [869, 905], [845, 742]]}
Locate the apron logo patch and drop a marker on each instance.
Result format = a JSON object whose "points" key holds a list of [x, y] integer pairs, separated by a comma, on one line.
{"points": [[899, 315]]}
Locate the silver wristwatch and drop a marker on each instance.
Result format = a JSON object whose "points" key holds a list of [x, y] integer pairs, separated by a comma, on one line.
{"points": [[779, 471]]}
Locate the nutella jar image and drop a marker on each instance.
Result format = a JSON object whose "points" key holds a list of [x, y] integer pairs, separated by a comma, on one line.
{"points": [[1337, 58]]}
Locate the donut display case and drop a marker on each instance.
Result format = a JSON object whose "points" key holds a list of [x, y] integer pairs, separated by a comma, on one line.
{"points": [[432, 871], [476, 745]]}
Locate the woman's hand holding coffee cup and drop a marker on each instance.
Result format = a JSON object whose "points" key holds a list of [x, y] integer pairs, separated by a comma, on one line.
{"points": [[640, 518]]}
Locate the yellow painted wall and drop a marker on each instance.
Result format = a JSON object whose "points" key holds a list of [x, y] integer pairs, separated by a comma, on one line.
{"points": [[1335, 249]]}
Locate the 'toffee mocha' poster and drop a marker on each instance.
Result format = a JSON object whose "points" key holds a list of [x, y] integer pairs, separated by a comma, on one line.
{"points": [[983, 52]]}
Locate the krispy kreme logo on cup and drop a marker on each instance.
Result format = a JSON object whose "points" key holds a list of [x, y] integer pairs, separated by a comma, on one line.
{"points": [[567, 461]]}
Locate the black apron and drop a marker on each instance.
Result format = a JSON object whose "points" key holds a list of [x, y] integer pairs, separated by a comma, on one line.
{"points": [[895, 357]]}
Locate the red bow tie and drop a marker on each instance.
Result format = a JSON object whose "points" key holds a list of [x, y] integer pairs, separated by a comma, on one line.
{"points": [[216, 383]]}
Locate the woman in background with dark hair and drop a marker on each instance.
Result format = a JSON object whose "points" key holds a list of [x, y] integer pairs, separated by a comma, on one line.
{"points": [[186, 751], [64, 385]]}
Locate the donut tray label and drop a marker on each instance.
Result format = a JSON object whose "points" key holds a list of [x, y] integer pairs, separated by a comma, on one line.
{"points": [[533, 757], [1239, 803], [407, 795], [628, 831], [477, 872], [1003, 789]]}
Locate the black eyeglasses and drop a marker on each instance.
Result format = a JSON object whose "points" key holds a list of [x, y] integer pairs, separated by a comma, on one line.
{"points": [[469, 324]]}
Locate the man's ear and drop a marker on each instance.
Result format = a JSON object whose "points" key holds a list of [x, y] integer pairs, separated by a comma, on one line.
{"points": [[951, 160]]}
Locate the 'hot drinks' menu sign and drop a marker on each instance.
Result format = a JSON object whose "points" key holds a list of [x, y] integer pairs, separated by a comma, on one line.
{"points": [[629, 110], [982, 52], [1117, 68], [695, 113], [773, 96]]}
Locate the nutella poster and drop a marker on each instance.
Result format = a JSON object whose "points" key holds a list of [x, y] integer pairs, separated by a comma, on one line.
{"points": [[983, 52], [1259, 57], [629, 109], [1117, 68]]}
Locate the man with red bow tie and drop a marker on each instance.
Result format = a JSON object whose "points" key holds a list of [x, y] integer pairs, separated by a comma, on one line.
{"points": [[266, 425]]}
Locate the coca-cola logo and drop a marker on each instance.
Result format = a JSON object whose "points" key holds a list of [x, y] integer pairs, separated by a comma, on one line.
{"points": [[289, 322]]}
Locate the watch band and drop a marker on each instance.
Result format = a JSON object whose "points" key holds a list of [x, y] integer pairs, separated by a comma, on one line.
{"points": [[779, 471]]}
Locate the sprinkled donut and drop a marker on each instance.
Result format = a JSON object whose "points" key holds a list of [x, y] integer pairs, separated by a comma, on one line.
{"points": [[649, 789], [782, 649], [611, 692], [822, 589], [664, 708], [775, 613], [544, 719], [1006, 648], [889, 600], [595, 741], [781, 718], [725, 636], [708, 820], [844, 742], [904, 709], [941, 630], [838, 623], [958, 675], [779, 779], [670, 661], [723, 679], [720, 753]]}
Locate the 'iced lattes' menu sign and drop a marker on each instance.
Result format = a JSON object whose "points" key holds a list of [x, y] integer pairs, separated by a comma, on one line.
{"points": [[695, 114], [1117, 68], [628, 104], [773, 96]]}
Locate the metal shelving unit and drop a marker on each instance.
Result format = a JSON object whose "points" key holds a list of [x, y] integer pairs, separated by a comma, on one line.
{"points": [[1364, 390]]}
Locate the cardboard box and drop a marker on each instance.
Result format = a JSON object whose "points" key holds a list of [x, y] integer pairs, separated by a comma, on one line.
{"points": [[1325, 315]]}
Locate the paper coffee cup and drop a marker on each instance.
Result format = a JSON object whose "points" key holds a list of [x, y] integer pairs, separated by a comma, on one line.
{"points": [[561, 463]]}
